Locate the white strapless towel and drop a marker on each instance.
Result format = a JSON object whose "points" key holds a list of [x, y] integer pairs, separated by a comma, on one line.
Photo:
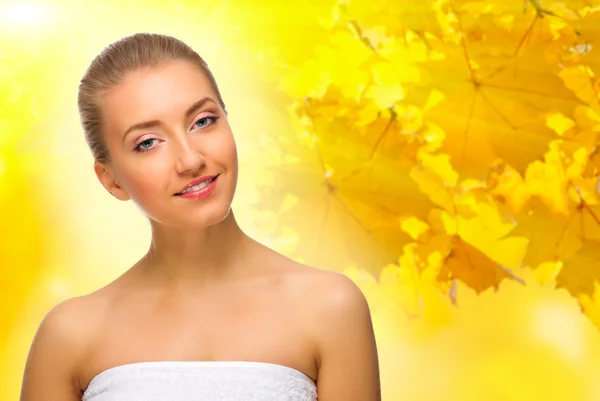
{"points": [[201, 381]]}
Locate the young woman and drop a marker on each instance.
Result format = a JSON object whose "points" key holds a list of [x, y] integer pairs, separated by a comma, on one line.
{"points": [[207, 313]]}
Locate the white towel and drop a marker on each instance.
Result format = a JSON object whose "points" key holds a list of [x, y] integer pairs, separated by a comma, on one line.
{"points": [[201, 381]]}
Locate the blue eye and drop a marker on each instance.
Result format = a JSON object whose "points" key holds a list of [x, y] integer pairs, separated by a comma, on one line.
{"points": [[140, 146], [204, 121]]}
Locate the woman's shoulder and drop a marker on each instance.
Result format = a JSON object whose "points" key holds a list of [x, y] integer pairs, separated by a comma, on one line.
{"points": [[77, 317], [318, 281], [326, 290], [73, 317], [327, 303], [61, 340]]}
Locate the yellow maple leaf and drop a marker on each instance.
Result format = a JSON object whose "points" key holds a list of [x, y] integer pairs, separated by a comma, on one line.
{"points": [[579, 79], [414, 227], [508, 186], [548, 180], [471, 266], [547, 272], [580, 280], [591, 304], [559, 123]]}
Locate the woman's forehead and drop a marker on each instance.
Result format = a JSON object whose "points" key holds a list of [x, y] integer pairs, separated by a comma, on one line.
{"points": [[174, 78], [154, 93]]}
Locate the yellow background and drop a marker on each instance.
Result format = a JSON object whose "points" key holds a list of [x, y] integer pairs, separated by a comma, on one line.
{"points": [[470, 222]]}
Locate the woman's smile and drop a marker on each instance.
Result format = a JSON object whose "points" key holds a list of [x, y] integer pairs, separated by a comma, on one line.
{"points": [[166, 129], [200, 188]]}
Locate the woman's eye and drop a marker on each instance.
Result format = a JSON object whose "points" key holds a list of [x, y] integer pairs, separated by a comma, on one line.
{"points": [[203, 122], [144, 145]]}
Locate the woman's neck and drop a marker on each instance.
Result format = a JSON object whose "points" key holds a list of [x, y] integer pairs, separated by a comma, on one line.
{"points": [[204, 257]]}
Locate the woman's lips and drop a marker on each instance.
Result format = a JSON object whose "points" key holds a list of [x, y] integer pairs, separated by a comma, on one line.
{"points": [[202, 192]]}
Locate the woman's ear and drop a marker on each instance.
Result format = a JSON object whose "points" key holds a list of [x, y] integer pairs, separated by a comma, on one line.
{"points": [[107, 179]]}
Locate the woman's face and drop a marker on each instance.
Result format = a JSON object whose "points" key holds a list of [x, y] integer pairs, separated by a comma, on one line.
{"points": [[165, 129]]}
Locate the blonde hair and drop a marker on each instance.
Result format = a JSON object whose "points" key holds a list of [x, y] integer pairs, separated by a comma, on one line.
{"points": [[128, 54]]}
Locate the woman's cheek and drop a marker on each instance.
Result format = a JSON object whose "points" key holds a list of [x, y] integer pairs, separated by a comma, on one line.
{"points": [[144, 183], [229, 148], [220, 150]]}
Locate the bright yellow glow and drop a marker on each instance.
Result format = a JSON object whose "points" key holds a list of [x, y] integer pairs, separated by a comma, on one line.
{"points": [[22, 15], [422, 147]]}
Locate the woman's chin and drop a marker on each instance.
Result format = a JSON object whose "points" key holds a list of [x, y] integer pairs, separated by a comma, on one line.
{"points": [[194, 220]]}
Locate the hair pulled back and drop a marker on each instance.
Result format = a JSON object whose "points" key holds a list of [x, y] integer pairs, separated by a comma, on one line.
{"points": [[126, 55]]}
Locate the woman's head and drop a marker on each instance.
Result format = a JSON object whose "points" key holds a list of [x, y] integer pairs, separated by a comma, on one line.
{"points": [[154, 120]]}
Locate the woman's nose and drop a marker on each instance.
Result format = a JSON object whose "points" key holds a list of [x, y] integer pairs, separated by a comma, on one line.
{"points": [[188, 158]]}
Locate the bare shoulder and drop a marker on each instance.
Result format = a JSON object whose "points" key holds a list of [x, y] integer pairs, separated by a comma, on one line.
{"points": [[327, 291], [339, 320], [331, 300], [56, 352]]}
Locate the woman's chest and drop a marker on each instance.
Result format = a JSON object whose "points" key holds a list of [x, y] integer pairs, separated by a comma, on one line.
{"points": [[236, 327]]}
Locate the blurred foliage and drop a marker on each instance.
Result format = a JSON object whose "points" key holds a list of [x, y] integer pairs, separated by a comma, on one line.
{"points": [[465, 130], [442, 153], [454, 144]]}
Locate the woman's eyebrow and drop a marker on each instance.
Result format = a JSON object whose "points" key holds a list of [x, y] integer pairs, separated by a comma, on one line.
{"points": [[196, 106], [155, 123]]}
